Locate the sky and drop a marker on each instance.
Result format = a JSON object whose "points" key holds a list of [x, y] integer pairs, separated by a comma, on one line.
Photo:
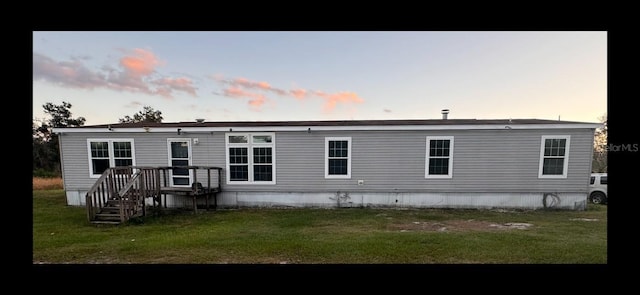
{"points": [[294, 76]]}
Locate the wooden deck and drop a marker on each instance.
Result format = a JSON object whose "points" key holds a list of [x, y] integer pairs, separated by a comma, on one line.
{"points": [[120, 193], [195, 194]]}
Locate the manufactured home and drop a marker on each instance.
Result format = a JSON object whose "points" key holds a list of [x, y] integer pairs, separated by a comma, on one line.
{"points": [[435, 163]]}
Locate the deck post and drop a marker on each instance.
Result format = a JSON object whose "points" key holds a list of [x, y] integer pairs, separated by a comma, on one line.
{"points": [[195, 204], [158, 185], [219, 178], [206, 200], [208, 186], [215, 205], [142, 194], [194, 188], [165, 177]]}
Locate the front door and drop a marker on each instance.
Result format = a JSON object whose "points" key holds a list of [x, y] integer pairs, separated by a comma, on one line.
{"points": [[180, 155]]}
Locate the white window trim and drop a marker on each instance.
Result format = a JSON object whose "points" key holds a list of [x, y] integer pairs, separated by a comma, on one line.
{"points": [[112, 159], [426, 166], [326, 157], [189, 159], [250, 145], [565, 165]]}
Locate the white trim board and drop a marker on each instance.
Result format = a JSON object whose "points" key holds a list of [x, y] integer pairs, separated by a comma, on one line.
{"points": [[310, 128]]}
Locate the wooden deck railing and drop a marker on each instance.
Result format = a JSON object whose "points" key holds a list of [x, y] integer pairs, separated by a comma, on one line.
{"points": [[106, 188], [143, 184], [215, 183], [198, 188], [121, 186]]}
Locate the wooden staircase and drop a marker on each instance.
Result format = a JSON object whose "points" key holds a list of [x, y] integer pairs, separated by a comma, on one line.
{"points": [[119, 194], [109, 214]]}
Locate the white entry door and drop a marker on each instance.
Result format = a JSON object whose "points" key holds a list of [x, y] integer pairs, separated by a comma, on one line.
{"points": [[180, 155]]}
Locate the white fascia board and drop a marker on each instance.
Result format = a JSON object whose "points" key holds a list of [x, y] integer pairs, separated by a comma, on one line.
{"points": [[328, 128]]}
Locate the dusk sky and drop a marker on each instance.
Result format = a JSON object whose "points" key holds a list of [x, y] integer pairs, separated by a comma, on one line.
{"points": [[291, 76]]}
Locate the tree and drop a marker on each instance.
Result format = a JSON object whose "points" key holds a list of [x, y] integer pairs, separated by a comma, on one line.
{"points": [[148, 114], [599, 163], [46, 154]]}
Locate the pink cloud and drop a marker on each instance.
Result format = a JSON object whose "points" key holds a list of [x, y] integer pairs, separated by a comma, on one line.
{"points": [[243, 87], [256, 101], [141, 63], [123, 81], [70, 74], [178, 84], [248, 84], [234, 92], [298, 93], [242, 81], [331, 100], [135, 72], [163, 91], [264, 85]]}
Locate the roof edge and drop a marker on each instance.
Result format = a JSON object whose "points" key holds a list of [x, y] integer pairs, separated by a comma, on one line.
{"points": [[265, 128]]}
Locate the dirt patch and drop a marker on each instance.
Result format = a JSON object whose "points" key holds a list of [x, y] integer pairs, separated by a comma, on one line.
{"points": [[457, 225]]}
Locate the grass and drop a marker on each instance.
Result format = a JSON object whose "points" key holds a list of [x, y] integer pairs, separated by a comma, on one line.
{"points": [[61, 234], [47, 183]]}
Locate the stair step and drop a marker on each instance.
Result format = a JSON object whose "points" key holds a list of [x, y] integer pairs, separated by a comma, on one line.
{"points": [[110, 209], [107, 217], [105, 222], [106, 214]]}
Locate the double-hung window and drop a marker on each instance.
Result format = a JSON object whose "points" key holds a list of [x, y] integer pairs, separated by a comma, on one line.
{"points": [[337, 157], [105, 153], [554, 156], [251, 158], [439, 160]]}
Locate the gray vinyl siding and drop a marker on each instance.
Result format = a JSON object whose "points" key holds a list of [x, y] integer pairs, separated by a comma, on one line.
{"points": [[483, 161], [387, 161], [75, 163]]}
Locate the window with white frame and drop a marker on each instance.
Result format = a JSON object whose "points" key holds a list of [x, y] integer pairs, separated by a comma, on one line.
{"points": [[337, 157], [439, 160], [180, 155], [554, 156], [105, 153], [250, 158]]}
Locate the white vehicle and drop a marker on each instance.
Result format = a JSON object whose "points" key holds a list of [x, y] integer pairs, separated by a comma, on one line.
{"points": [[598, 188]]}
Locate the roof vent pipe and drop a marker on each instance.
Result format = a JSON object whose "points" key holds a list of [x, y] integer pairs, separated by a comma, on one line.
{"points": [[199, 120], [445, 112]]}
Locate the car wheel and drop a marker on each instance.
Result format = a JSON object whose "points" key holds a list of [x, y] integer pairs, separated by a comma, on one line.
{"points": [[598, 198]]}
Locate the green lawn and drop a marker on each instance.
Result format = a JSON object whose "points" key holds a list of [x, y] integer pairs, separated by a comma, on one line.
{"points": [[61, 234]]}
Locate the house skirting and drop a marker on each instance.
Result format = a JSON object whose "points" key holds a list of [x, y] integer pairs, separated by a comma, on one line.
{"points": [[226, 199]]}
